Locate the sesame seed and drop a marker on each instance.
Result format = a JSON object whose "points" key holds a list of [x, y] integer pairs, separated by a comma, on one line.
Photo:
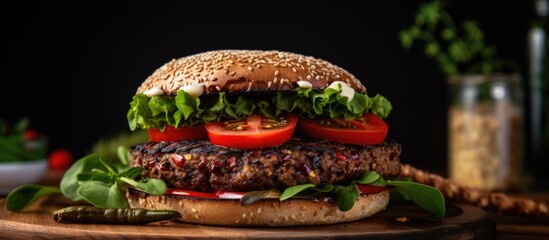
{"points": [[293, 69], [276, 73], [250, 68]]}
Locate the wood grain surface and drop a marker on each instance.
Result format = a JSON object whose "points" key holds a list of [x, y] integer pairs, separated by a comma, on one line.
{"points": [[461, 222]]}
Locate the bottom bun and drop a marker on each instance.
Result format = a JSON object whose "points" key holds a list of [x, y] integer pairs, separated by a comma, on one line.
{"points": [[267, 212]]}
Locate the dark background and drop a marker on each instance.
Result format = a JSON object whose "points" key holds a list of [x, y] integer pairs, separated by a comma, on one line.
{"points": [[73, 67]]}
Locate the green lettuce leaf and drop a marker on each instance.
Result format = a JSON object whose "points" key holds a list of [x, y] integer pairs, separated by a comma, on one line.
{"points": [[424, 196], [185, 110]]}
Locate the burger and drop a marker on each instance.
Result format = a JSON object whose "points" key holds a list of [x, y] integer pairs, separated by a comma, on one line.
{"points": [[262, 138]]}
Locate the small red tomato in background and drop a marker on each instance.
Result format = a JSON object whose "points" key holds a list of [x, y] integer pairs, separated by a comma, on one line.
{"points": [[60, 159], [29, 134]]}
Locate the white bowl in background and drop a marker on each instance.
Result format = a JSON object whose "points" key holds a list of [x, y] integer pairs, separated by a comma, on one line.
{"points": [[14, 174]]}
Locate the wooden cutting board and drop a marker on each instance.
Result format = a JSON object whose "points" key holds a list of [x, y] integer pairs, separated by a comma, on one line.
{"points": [[461, 222]]}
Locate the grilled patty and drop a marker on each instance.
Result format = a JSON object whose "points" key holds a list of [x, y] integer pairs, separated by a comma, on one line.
{"points": [[199, 165]]}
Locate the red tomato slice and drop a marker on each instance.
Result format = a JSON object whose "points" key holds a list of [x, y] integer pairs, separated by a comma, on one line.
{"points": [[366, 188], [366, 130], [255, 131], [177, 134]]}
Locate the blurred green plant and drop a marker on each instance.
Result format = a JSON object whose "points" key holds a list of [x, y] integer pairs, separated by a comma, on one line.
{"points": [[19, 143], [109, 145], [455, 50]]}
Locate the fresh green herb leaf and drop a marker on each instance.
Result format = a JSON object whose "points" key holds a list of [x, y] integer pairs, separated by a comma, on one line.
{"points": [[95, 176], [455, 50], [24, 195], [396, 196], [291, 191], [152, 186], [325, 188], [424, 196], [346, 196], [103, 195], [368, 177], [96, 179], [379, 182], [132, 172], [255, 196], [123, 153], [69, 183], [305, 191], [316, 192]]}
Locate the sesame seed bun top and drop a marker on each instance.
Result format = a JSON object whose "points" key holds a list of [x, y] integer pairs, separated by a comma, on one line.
{"points": [[247, 71]]}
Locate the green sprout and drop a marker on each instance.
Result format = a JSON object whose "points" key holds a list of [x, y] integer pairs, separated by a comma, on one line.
{"points": [[456, 50]]}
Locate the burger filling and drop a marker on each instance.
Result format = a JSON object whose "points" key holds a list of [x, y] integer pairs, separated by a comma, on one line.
{"points": [[246, 145], [298, 168], [202, 166], [184, 110]]}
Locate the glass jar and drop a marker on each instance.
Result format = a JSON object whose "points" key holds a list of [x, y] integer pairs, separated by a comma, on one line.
{"points": [[485, 141]]}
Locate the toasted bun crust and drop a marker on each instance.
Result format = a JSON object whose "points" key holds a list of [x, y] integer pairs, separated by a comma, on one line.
{"points": [[270, 212], [245, 71]]}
